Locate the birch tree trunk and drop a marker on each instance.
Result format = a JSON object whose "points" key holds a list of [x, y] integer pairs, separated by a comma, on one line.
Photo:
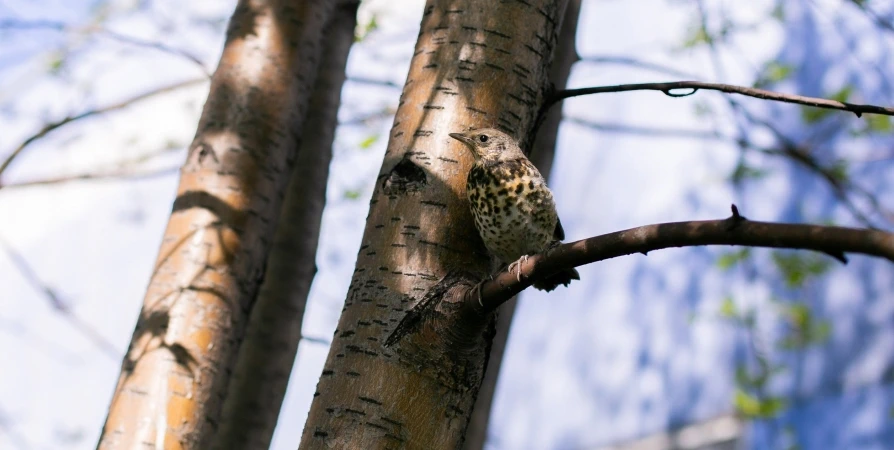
{"points": [[476, 64], [175, 374], [542, 154], [267, 355]]}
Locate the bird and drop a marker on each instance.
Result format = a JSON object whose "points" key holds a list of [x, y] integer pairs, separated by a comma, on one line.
{"points": [[514, 210]]}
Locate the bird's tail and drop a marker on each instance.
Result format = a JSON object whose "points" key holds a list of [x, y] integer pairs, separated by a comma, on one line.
{"points": [[562, 277]]}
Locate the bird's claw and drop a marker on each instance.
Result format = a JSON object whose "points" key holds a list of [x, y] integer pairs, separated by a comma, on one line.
{"points": [[517, 265], [478, 289]]}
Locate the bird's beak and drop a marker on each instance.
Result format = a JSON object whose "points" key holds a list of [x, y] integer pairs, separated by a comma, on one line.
{"points": [[462, 138]]}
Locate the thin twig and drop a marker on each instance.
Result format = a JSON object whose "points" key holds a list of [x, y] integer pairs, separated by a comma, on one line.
{"points": [[374, 81], [735, 230], [647, 131], [633, 62], [92, 112], [789, 148], [694, 86], [58, 304], [876, 17], [120, 174], [12, 24], [797, 153]]}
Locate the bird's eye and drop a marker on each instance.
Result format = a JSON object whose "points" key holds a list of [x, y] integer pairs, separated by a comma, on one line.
{"points": [[482, 138]]}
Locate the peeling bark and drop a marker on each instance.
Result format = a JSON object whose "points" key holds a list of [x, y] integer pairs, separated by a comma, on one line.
{"points": [[476, 64], [211, 262]]}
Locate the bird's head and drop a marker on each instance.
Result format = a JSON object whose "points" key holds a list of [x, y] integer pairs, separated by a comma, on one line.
{"points": [[489, 144]]}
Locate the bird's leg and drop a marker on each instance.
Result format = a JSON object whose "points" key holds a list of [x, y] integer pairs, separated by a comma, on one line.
{"points": [[517, 265]]}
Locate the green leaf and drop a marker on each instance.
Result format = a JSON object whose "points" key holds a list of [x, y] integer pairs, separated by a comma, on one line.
{"points": [[368, 142], [697, 35], [798, 268], [799, 316], [820, 332], [878, 123], [806, 330], [56, 62], [729, 259], [363, 30], [753, 407], [773, 72], [813, 115], [843, 94], [838, 171], [778, 12], [744, 172], [728, 309], [352, 194]]}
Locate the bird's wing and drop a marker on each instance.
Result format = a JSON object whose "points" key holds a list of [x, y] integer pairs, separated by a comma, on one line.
{"points": [[559, 233]]}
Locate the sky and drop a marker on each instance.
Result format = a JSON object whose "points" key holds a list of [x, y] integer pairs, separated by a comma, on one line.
{"points": [[637, 346]]}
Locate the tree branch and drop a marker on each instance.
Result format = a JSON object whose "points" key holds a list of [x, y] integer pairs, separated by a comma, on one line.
{"points": [[373, 81], [633, 62], [13, 24], [124, 173], [694, 86], [735, 230], [644, 131], [92, 112], [57, 304], [874, 16]]}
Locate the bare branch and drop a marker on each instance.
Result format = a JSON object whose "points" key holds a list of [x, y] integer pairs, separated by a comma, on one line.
{"points": [[12, 24], [373, 81], [633, 62], [58, 304], [694, 86], [118, 174], [637, 130], [735, 230], [800, 154], [92, 112], [874, 16]]}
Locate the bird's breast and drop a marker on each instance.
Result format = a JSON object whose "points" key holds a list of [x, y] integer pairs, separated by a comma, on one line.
{"points": [[513, 209]]}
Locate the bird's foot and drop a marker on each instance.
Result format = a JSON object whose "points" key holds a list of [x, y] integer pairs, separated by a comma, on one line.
{"points": [[517, 265]]}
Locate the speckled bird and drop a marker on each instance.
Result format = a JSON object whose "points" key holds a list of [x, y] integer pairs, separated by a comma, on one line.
{"points": [[514, 210]]}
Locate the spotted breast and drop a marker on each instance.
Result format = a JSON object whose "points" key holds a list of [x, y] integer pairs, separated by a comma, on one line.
{"points": [[514, 210]]}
